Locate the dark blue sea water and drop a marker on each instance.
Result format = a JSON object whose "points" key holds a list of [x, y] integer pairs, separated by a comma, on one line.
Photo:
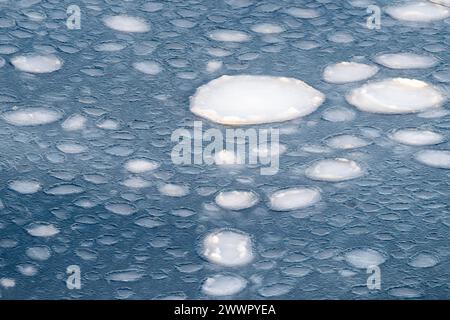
{"points": [[400, 207]]}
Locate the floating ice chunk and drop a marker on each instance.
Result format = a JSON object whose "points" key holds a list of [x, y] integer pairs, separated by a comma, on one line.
{"points": [[39, 253], [42, 229], [141, 165], [396, 96], [341, 37], [25, 186], [419, 11], [404, 293], [152, 6], [33, 116], [226, 157], [213, 66], [74, 122], [148, 67], [434, 158], [294, 198], [28, 270], [236, 200], [406, 61], [228, 248], [334, 170], [275, 290], [229, 35], [416, 137], [7, 283], [223, 285], [303, 13], [126, 23], [174, 190], [338, 114], [37, 63], [246, 99], [64, 189], [71, 147], [128, 275], [108, 124], [123, 209], [346, 141], [267, 28], [423, 260], [136, 183], [109, 47], [364, 258], [345, 72]]}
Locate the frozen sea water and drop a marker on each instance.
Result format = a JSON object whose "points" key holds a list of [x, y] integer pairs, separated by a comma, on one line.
{"points": [[87, 178]]}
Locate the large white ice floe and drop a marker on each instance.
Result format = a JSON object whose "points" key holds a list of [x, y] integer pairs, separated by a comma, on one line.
{"points": [[345, 72], [418, 11], [25, 186], [174, 190], [32, 116], [416, 137], [364, 258], [42, 229], [405, 60], [35, 63], [126, 23], [247, 99], [236, 200], [224, 35], [334, 170], [434, 158], [396, 96], [148, 67], [294, 198], [74, 122], [141, 165], [228, 248], [223, 285]]}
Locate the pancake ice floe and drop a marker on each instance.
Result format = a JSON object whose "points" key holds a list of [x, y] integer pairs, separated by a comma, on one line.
{"points": [[418, 11], [345, 72], [247, 99], [35, 63], [126, 23], [406, 61]]}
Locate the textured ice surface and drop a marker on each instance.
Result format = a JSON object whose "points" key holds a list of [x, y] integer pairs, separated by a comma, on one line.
{"points": [[417, 137], [133, 242], [364, 258], [37, 63], [334, 170], [434, 158], [126, 23], [228, 248], [32, 116], [406, 60], [396, 96], [294, 198], [344, 72], [245, 99], [236, 200], [223, 285], [418, 11]]}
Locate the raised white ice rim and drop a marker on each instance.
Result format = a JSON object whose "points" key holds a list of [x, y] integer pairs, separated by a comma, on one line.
{"points": [[247, 99]]}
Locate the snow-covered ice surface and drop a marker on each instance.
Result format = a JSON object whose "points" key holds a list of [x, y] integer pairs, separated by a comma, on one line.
{"points": [[87, 179]]}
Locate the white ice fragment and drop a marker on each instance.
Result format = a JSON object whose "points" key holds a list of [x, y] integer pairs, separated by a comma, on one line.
{"points": [[406, 61], [64, 189], [294, 198], [123, 209], [7, 283], [346, 141], [396, 96], [148, 67], [303, 13], [37, 63], [25, 186], [136, 183], [126, 23], [140, 165], [418, 11], [42, 229], [224, 35], [74, 122], [39, 253], [213, 65], [32, 116], [364, 258], [338, 114], [345, 72], [236, 200], [416, 137], [28, 270], [246, 99], [223, 285], [434, 158], [71, 147], [174, 190], [226, 157], [334, 170], [341, 37], [228, 248], [423, 260], [267, 28]]}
